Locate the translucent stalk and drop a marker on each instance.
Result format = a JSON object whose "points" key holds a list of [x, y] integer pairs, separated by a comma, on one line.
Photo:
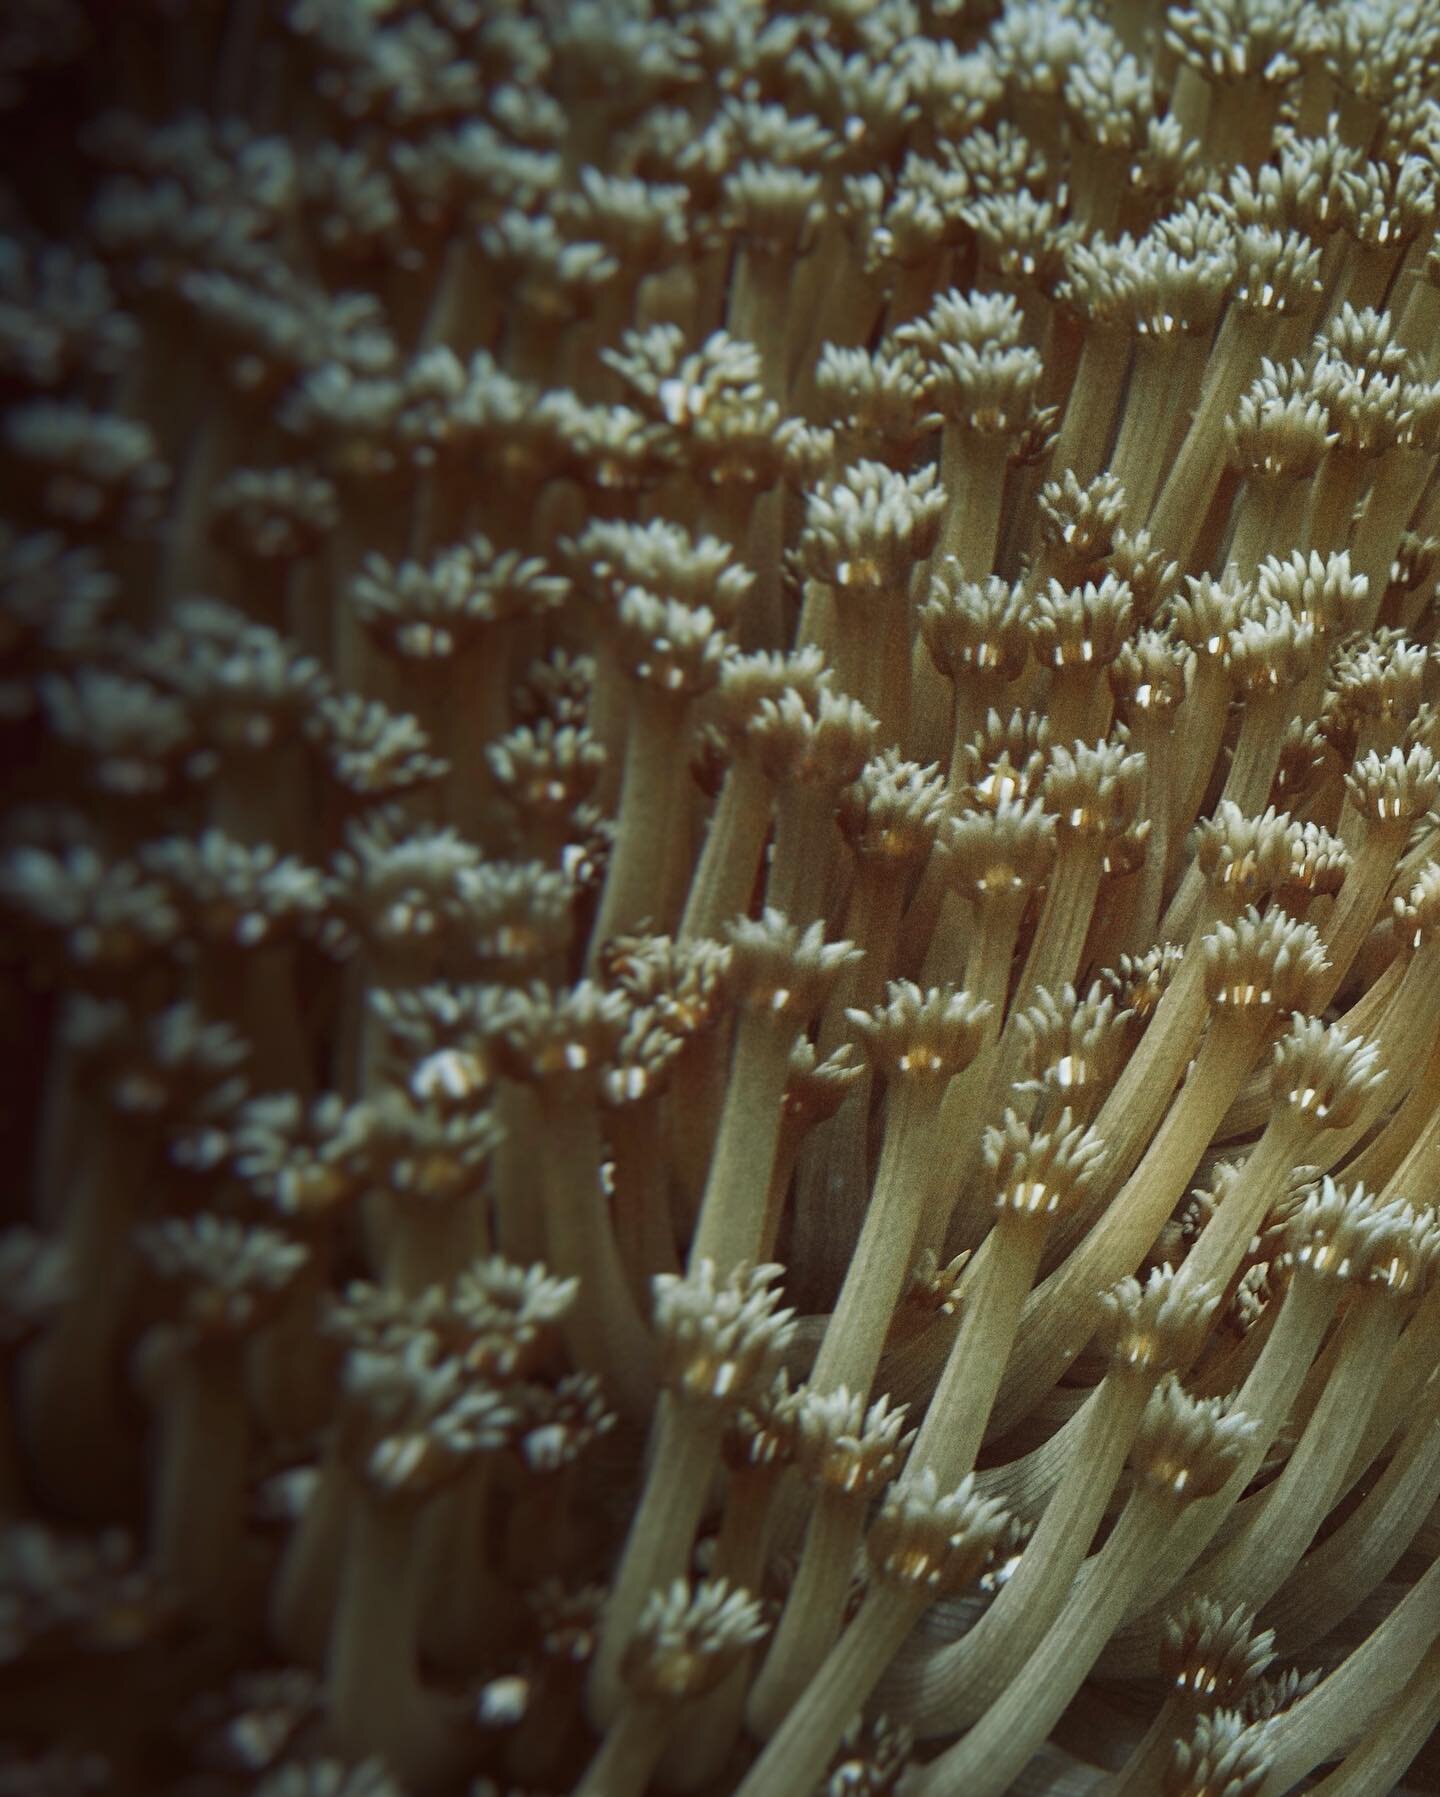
{"points": [[654, 762], [798, 1752], [954, 1426], [1132, 923], [713, 1724], [303, 1595], [603, 1329], [807, 844], [1358, 905], [1180, 508], [694, 1104], [630, 1752], [375, 1701], [834, 1163], [1061, 1314], [1090, 412], [1262, 1554], [1216, 1256], [1414, 1359], [427, 1239], [1266, 1398], [1159, 392], [759, 309], [1144, 1768], [1064, 921], [851, 1347], [973, 468], [1391, 504], [1334, 496], [997, 1748], [1255, 527], [732, 1212], [643, 1231], [518, 1223], [1337, 1576], [78, 1449], [685, 1456], [1334, 1714], [199, 1499], [734, 843], [951, 1688], [814, 1610], [463, 1606], [1399, 1734], [1200, 725]]}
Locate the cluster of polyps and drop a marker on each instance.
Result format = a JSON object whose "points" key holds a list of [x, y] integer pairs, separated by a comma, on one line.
{"points": [[723, 877]]}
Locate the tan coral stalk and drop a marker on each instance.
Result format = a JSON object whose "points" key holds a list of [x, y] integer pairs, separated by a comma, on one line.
{"points": [[1148, 679], [813, 756], [302, 1595], [759, 1449], [781, 976], [1402, 1730], [1185, 1451], [682, 1646], [672, 654], [68, 1382], [1389, 793], [1249, 969], [1334, 1577], [1148, 1329], [731, 855], [719, 1339], [921, 1042], [200, 1485], [974, 631], [1077, 632], [1202, 620], [229, 1279], [644, 1231], [1320, 1081], [982, 381], [376, 1702], [1098, 286], [1263, 1548], [1329, 1237], [558, 1042], [1036, 1178], [863, 538], [848, 1454], [1378, 1670], [890, 817], [988, 867], [814, 1091], [921, 1545], [1093, 793], [416, 1420], [1212, 1658], [1278, 276]]}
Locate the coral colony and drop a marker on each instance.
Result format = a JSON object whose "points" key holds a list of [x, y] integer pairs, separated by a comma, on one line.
{"points": [[721, 889]]}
